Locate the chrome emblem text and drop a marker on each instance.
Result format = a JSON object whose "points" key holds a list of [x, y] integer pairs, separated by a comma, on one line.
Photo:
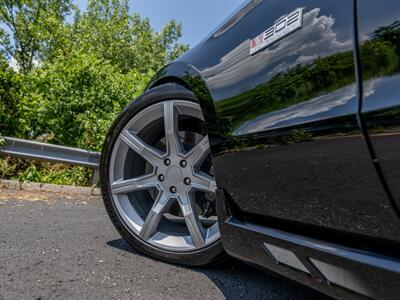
{"points": [[281, 28]]}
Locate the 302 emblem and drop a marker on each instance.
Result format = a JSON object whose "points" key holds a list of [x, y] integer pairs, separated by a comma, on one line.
{"points": [[281, 28]]}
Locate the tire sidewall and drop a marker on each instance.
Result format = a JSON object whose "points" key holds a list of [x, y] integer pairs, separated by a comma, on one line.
{"points": [[206, 255]]}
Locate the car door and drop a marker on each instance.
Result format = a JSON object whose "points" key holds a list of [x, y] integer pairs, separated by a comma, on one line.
{"points": [[380, 64], [289, 147]]}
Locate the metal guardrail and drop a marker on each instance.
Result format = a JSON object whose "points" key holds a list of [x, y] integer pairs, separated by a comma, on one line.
{"points": [[49, 152]]}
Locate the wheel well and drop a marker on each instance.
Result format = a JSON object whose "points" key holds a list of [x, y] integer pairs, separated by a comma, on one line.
{"points": [[203, 98], [170, 79]]}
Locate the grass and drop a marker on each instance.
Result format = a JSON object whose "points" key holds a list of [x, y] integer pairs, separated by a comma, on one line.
{"points": [[44, 172]]}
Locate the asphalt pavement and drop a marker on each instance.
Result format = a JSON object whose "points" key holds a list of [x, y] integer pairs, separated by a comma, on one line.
{"points": [[56, 246]]}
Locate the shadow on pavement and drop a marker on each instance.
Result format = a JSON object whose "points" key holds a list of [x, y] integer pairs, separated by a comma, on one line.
{"points": [[122, 245], [237, 280]]}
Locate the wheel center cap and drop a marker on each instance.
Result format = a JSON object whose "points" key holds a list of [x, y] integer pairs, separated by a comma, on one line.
{"points": [[174, 175]]}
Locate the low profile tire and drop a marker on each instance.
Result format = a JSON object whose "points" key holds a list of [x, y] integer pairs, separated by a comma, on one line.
{"points": [[157, 178]]}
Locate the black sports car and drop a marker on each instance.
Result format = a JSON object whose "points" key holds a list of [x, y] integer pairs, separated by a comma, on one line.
{"points": [[275, 140]]}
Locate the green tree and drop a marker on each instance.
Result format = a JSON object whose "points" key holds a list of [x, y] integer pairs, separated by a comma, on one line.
{"points": [[11, 92], [75, 98], [128, 41], [74, 77], [106, 59], [37, 29]]}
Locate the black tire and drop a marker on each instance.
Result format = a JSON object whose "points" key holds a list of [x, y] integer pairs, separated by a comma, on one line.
{"points": [[207, 255]]}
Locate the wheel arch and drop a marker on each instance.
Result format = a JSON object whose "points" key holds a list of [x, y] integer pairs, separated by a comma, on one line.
{"points": [[188, 76]]}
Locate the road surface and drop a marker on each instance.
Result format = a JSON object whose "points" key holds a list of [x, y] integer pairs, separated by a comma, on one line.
{"points": [[56, 246]]}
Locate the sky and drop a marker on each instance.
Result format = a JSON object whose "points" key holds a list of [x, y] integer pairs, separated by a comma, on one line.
{"points": [[198, 17]]}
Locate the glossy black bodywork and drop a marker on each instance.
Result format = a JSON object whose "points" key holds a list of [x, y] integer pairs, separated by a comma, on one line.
{"points": [[346, 273], [299, 141], [380, 67]]}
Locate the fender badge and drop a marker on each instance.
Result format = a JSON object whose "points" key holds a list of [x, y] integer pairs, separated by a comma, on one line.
{"points": [[281, 28]]}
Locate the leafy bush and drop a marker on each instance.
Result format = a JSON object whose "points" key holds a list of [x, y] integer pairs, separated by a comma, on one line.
{"points": [[63, 175], [46, 172], [70, 79], [7, 169], [75, 98], [11, 93]]}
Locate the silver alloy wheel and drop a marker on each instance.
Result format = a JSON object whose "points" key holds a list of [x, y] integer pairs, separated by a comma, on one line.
{"points": [[172, 175]]}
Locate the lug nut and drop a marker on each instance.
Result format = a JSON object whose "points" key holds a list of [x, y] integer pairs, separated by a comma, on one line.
{"points": [[172, 189], [183, 163], [161, 177], [167, 162], [186, 181]]}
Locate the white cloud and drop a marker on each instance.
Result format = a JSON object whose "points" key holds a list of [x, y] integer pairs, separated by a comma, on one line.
{"points": [[13, 64], [317, 105], [316, 37], [307, 109]]}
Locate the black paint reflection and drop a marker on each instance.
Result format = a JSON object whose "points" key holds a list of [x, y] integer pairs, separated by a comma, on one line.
{"points": [[316, 182], [290, 144], [338, 103], [284, 133], [380, 58], [284, 129]]}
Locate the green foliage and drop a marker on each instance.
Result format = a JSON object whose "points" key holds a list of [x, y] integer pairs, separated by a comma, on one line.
{"points": [[127, 41], [66, 176], [11, 93], [78, 96], [37, 28], [7, 169], [299, 136], [39, 171], [74, 78], [303, 82], [298, 84], [85, 72], [385, 60]]}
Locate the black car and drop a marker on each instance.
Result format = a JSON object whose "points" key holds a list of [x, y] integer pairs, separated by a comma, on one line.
{"points": [[276, 140]]}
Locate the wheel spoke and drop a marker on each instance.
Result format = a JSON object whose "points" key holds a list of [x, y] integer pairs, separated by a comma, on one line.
{"points": [[152, 220], [172, 142], [197, 154], [134, 184], [196, 229], [165, 177], [149, 153], [203, 182]]}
